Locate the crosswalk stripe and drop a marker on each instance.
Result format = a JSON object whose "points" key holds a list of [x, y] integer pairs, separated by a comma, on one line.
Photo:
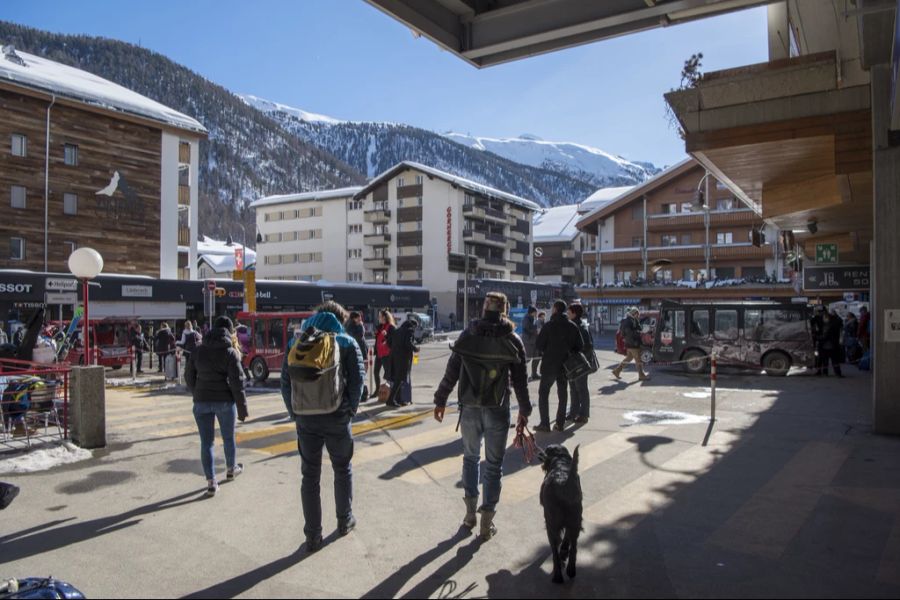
{"points": [[769, 520], [647, 493], [404, 445], [527, 483]]}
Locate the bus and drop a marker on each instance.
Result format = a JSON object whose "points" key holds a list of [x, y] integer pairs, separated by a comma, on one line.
{"points": [[768, 335], [263, 338]]}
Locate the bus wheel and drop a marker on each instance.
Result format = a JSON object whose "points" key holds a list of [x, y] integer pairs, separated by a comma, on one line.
{"points": [[777, 364], [696, 362], [259, 369]]}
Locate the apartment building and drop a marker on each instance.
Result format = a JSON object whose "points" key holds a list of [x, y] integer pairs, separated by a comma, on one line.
{"points": [[397, 230], [558, 245], [86, 162]]}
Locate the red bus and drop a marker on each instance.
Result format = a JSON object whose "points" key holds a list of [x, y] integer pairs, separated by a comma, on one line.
{"points": [[109, 340], [263, 337]]}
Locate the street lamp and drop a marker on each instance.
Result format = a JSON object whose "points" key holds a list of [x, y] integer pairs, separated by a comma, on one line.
{"points": [[703, 199], [86, 264]]}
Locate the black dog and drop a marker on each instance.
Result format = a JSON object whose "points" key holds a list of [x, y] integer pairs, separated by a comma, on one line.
{"points": [[562, 502]]}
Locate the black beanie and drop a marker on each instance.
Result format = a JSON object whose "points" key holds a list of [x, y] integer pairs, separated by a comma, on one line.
{"points": [[224, 323]]}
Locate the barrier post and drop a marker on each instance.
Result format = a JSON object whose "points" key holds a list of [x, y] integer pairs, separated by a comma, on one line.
{"points": [[371, 370], [712, 387], [179, 366], [131, 351]]}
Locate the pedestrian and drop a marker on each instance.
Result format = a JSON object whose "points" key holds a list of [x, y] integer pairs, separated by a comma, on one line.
{"points": [[190, 339], [557, 340], [452, 319], [386, 327], [536, 363], [630, 328], [331, 430], [355, 329], [488, 357], [18, 337], [864, 334], [213, 375], [817, 331], [851, 342], [581, 396], [164, 345], [529, 335], [3, 338], [402, 342], [829, 343], [139, 344]]}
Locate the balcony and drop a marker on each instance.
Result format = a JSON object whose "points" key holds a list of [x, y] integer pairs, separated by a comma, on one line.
{"points": [[517, 257], [496, 261], [377, 263], [410, 282], [377, 239], [695, 220], [409, 214], [378, 215], [485, 213], [488, 239], [568, 271], [184, 236], [184, 195], [568, 254]]}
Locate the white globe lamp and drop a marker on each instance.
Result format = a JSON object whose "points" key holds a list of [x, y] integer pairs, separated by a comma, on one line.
{"points": [[86, 264]]}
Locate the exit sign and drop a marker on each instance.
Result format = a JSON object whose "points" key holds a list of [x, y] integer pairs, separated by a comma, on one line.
{"points": [[826, 254]]}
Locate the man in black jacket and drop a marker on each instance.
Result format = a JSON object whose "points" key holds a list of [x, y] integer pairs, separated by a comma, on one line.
{"points": [[630, 327], [215, 377], [485, 412], [403, 345], [529, 336], [557, 340]]}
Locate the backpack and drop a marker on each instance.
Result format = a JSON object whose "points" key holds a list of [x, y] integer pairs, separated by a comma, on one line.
{"points": [[314, 367], [486, 361]]}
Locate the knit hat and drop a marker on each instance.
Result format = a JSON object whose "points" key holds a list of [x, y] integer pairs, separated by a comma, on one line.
{"points": [[224, 323], [496, 302]]}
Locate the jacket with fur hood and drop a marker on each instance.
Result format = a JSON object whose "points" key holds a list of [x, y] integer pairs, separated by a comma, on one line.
{"points": [[518, 380]]}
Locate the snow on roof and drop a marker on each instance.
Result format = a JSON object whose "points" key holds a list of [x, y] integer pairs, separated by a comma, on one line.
{"points": [[602, 197], [28, 70], [220, 255], [307, 196], [462, 182], [556, 224]]}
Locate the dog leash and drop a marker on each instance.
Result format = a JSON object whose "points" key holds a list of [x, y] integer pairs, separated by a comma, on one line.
{"points": [[525, 440]]}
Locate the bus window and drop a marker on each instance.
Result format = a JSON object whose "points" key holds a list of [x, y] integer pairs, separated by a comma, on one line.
{"points": [[700, 323], [752, 323], [259, 334], [783, 326], [293, 325], [276, 333], [726, 325]]}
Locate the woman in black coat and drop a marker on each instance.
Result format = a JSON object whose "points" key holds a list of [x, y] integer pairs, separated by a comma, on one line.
{"points": [[403, 345]]}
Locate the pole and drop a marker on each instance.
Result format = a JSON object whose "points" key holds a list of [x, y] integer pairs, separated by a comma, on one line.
{"points": [[712, 387], [706, 219], [466, 287], [86, 332], [644, 241]]}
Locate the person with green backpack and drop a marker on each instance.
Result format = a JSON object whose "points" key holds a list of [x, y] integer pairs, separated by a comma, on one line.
{"points": [[322, 378], [487, 358]]}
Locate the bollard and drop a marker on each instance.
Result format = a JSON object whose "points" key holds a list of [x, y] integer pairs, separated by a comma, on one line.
{"points": [[712, 387], [371, 368], [133, 372], [180, 367]]}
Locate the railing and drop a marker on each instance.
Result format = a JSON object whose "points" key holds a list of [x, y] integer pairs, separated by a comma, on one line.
{"points": [[377, 216], [35, 396], [184, 195], [377, 239], [376, 262]]}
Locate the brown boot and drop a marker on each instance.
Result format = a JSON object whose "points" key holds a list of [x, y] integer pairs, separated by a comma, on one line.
{"points": [[617, 373], [471, 518], [488, 529]]}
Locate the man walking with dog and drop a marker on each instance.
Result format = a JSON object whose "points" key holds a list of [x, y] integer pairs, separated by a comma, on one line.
{"points": [[323, 377], [488, 358], [557, 340]]}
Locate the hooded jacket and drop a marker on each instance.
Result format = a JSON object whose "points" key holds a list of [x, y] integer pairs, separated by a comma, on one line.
{"points": [[214, 373], [556, 341], [402, 341], [352, 365], [518, 373]]}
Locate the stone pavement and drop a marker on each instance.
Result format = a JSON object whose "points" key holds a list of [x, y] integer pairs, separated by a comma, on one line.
{"points": [[791, 496]]}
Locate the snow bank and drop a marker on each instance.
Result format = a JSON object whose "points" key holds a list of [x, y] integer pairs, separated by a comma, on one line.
{"points": [[663, 417], [43, 459]]}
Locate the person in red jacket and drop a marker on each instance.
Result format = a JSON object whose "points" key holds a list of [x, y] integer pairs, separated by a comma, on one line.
{"points": [[386, 325]]}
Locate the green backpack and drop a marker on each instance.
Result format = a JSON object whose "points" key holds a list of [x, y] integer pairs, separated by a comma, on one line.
{"points": [[486, 362]]}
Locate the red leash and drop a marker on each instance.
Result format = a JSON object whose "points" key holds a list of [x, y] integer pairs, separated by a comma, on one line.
{"points": [[525, 441]]}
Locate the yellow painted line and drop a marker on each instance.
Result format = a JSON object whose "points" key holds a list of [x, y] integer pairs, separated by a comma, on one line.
{"points": [[188, 418], [527, 483], [650, 492], [772, 517], [261, 433]]}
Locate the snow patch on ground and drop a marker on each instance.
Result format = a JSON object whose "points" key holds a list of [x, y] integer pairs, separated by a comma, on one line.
{"points": [[700, 395], [43, 459], [663, 417]]}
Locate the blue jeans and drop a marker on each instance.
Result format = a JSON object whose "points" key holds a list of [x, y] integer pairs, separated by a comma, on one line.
{"points": [[206, 413], [491, 425], [333, 433]]}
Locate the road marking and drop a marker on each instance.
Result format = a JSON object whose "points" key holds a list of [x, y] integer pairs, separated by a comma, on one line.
{"points": [[396, 446], [772, 517], [651, 492]]}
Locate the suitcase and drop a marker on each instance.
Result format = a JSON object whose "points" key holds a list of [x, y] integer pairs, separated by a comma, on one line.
{"points": [[384, 392], [171, 367]]}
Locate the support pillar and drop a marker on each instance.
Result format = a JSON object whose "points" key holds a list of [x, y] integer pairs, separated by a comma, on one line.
{"points": [[885, 255]]}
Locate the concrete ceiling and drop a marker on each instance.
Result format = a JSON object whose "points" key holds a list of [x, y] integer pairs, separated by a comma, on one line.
{"points": [[489, 32]]}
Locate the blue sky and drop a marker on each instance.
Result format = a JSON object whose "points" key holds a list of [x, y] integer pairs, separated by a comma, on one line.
{"points": [[345, 59]]}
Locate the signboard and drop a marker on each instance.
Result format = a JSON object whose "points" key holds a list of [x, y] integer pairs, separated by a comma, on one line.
{"points": [[67, 298], [836, 279], [137, 291], [826, 254], [449, 230], [61, 285], [238, 259], [892, 325], [211, 285], [326, 296]]}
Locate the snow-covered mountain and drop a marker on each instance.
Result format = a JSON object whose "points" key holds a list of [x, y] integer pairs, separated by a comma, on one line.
{"points": [[579, 160], [551, 173]]}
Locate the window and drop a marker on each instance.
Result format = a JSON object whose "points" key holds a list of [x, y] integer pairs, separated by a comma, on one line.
{"points": [[669, 209], [184, 175], [669, 240], [354, 277], [637, 242], [16, 249], [724, 272], [725, 204], [17, 196], [355, 228], [470, 200], [354, 205], [724, 238], [700, 323], [726, 324], [274, 216], [381, 230], [382, 205], [71, 154], [782, 326], [400, 182], [752, 322], [70, 204], [354, 253], [276, 333], [686, 239], [664, 275], [19, 145], [71, 246], [637, 212], [310, 234], [419, 180], [687, 207]]}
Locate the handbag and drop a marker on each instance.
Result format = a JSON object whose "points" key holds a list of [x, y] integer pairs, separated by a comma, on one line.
{"points": [[576, 366], [593, 361], [384, 392]]}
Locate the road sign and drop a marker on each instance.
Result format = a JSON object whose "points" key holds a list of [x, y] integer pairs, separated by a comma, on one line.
{"points": [[237, 275], [67, 298], [826, 254], [836, 279], [239, 259], [211, 285]]}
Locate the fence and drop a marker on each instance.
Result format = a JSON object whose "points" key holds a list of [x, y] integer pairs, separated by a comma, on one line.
{"points": [[34, 403]]}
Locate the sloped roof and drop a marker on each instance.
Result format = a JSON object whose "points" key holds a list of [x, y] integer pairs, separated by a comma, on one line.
{"points": [[30, 71], [462, 182], [307, 196], [556, 224], [602, 197]]}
